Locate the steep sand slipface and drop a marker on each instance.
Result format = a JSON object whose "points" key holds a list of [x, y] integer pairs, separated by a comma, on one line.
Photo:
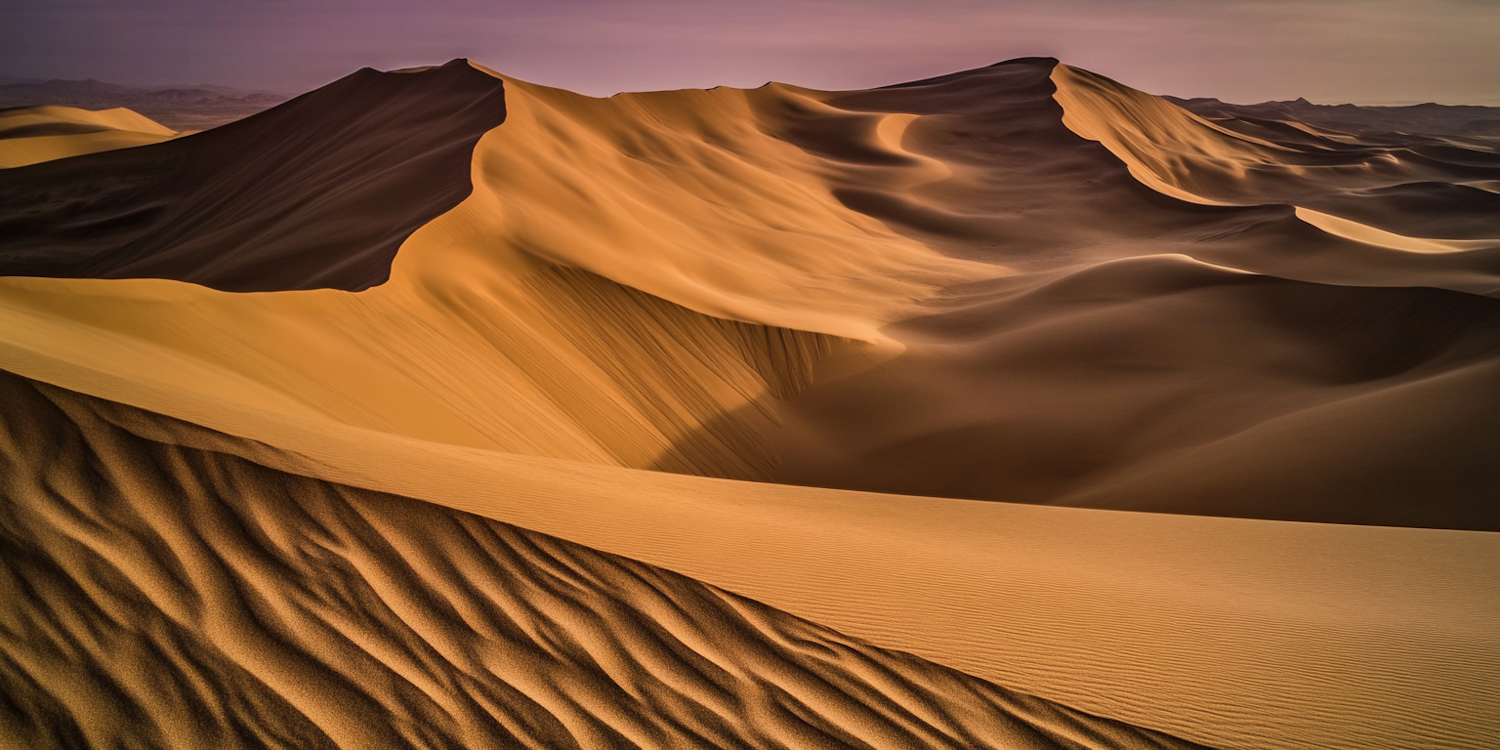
{"points": [[1409, 188], [29, 135], [316, 193], [206, 601], [1147, 353], [477, 340], [693, 196]]}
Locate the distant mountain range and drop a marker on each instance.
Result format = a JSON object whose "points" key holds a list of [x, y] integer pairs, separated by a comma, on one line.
{"points": [[1440, 120], [178, 107]]}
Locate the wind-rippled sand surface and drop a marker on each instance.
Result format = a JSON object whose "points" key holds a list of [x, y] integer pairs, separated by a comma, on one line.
{"points": [[188, 598], [1022, 283]]}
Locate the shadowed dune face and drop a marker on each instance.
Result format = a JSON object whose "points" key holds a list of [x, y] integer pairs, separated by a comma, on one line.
{"points": [[1152, 354], [1161, 384], [1410, 185], [316, 193], [175, 597]]}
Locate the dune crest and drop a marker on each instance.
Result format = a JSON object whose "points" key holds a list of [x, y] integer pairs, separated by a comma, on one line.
{"points": [[1353, 230], [1352, 181], [30, 135]]}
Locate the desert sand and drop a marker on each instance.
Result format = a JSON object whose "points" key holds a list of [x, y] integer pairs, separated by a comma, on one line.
{"points": [[1024, 283], [29, 135]]}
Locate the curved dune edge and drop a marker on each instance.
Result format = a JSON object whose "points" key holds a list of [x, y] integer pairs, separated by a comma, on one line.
{"points": [[301, 613], [316, 193], [1184, 156], [31, 135], [1364, 233], [1166, 148], [691, 196], [685, 197], [1207, 629]]}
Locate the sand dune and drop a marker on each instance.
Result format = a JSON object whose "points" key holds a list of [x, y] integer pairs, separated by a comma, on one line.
{"points": [[190, 108], [316, 193], [299, 613], [1408, 186], [1227, 632], [1024, 282], [29, 135]]}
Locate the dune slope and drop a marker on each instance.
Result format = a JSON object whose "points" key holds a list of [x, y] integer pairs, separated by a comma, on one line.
{"points": [[173, 597], [29, 135], [1395, 184], [1245, 360], [316, 193]]}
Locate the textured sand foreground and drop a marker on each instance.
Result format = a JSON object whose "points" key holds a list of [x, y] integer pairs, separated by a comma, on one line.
{"points": [[1020, 283], [201, 600]]}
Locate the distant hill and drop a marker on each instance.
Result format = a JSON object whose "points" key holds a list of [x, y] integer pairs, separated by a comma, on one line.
{"points": [[180, 108], [1442, 121]]}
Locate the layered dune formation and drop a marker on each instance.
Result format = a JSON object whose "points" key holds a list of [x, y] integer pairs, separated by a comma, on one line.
{"points": [[263, 375]]}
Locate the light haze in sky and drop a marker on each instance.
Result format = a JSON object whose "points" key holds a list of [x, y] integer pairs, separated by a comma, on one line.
{"points": [[1329, 51]]}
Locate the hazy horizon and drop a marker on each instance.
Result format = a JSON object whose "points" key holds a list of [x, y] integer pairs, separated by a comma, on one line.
{"points": [[1380, 52]]}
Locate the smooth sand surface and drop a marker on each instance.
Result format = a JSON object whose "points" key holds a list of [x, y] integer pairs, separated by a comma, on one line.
{"points": [[42, 134], [970, 286], [316, 193], [29, 135]]}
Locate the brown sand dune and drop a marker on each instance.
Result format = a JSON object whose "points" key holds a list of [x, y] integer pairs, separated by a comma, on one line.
{"points": [[1394, 186], [318, 192], [29, 135], [945, 287], [1440, 210], [1232, 633], [1122, 344], [206, 601], [1163, 384], [181, 108]]}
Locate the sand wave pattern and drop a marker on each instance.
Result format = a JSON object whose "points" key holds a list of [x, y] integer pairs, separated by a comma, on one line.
{"points": [[163, 596]]}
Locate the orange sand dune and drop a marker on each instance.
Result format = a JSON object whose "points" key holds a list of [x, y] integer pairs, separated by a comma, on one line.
{"points": [[29, 135], [316, 193], [294, 611], [1022, 283], [1405, 188]]}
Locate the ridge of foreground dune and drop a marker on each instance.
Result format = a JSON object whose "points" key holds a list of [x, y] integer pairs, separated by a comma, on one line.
{"points": [[935, 289]]}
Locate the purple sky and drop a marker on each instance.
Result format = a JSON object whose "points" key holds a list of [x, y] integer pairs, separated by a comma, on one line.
{"points": [[1330, 51]]}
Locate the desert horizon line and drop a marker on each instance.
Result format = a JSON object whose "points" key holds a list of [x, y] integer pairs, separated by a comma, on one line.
{"points": [[291, 92]]}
